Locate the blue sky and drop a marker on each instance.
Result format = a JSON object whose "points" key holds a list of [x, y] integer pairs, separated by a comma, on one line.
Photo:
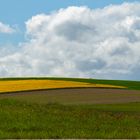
{"points": [[18, 11], [92, 43]]}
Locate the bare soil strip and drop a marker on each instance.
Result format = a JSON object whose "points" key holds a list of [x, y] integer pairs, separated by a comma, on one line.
{"points": [[78, 96]]}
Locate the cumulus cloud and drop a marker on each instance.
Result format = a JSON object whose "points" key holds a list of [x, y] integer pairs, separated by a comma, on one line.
{"points": [[4, 28], [80, 42]]}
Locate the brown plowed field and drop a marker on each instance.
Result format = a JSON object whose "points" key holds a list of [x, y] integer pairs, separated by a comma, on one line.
{"points": [[77, 96]]}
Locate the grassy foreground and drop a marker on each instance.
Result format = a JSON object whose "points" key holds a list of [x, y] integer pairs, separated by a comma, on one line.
{"points": [[33, 117], [20, 119]]}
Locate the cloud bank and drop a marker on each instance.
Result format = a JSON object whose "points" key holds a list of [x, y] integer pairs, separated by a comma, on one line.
{"points": [[79, 42]]}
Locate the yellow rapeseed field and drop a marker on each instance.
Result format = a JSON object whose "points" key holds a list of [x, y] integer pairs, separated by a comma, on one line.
{"points": [[25, 85]]}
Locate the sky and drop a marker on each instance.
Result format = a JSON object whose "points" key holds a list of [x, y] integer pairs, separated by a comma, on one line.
{"points": [[16, 12], [70, 38]]}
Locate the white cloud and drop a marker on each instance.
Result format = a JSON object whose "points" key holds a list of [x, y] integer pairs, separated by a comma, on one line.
{"points": [[80, 42], [4, 28]]}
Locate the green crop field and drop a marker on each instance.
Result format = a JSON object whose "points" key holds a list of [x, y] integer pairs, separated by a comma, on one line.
{"points": [[20, 119], [71, 115]]}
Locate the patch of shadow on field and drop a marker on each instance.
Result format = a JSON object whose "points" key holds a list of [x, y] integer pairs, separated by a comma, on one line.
{"points": [[77, 96]]}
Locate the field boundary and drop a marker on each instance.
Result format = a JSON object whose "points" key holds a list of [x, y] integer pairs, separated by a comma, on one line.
{"points": [[37, 90]]}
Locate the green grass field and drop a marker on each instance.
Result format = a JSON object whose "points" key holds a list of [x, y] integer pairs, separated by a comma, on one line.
{"points": [[27, 120], [34, 117]]}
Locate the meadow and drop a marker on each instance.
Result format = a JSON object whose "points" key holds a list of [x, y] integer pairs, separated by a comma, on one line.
{"points": [[73, 113], [28, 120]]}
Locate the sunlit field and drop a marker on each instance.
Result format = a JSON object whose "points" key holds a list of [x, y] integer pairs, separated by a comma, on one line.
{"points": [[74, 108], [26, 85]]}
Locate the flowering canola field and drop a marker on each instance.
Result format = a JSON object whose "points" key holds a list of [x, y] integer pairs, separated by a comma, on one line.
{"points": [[26, 85]]}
